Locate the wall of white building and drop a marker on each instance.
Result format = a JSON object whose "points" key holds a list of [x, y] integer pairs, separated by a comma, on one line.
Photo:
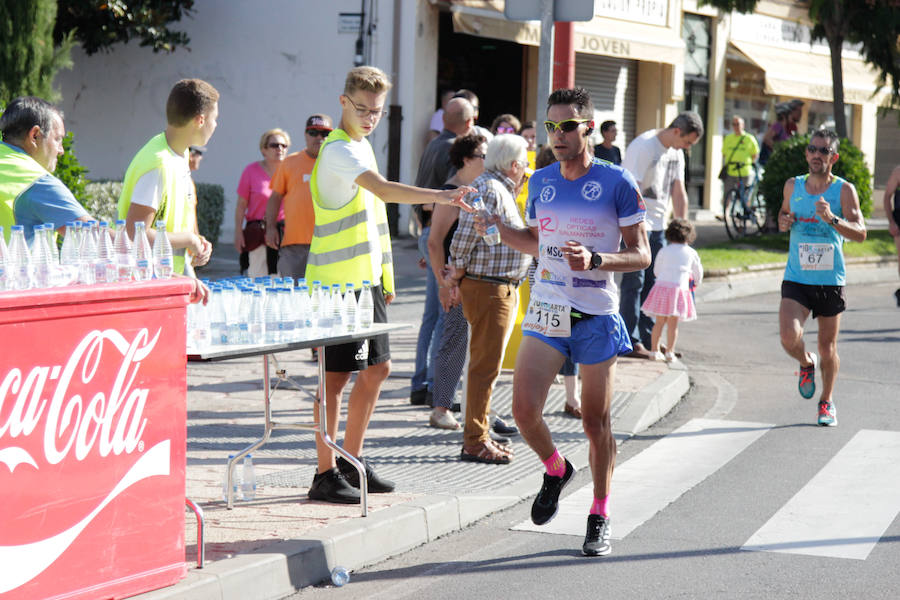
{"points": [[274, 63]]}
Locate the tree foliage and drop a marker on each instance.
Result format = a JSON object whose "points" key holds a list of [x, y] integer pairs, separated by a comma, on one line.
{"points": [[71, 172], [99, 24], [789, 159], [873, 24], [28, 58]]}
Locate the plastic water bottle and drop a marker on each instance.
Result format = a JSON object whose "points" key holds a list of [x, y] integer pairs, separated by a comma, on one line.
{"points": [[199, 336], [49, 228], [301, 309], [217, 321], [143, 256], [4, 261], [162, 252], [248, 482], [366, 306], [124, 255], [491, 235], [257, 319], [235, 483], [340, 576], [287, 315], [41, 259], [105, 267], [350, 318], [20, 269], [87, 252], [338, 323], [272, 317]]}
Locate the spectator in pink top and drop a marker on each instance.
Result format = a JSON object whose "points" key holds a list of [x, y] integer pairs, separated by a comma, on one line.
{"points": [[253, 191]]}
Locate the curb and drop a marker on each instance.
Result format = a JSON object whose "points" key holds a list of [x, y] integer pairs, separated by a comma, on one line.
{"points": [[285, 567]]}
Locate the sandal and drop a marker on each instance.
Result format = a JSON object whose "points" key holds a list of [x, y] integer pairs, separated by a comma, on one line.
{"points": [[574, 411], [485, 452]]}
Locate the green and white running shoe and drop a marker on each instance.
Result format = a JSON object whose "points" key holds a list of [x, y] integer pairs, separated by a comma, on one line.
{"points": [[807, 382], [827, 414]]}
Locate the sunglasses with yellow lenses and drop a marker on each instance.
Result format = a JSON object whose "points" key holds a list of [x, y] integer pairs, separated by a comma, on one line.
{"points": [[566, 126]]}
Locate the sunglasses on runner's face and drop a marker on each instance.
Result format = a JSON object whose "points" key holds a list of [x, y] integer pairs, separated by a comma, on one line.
{"points": [[566, 126], [823, 150], [316, 133]]}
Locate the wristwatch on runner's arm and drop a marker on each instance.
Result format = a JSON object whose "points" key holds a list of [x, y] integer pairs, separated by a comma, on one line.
{"points": [[596, 260]]}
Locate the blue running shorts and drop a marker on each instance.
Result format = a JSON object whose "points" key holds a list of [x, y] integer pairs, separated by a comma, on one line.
{"points": [[594, 339]]}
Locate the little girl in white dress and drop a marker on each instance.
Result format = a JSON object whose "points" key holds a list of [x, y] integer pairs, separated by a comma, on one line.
{"points": [[671, 299]]}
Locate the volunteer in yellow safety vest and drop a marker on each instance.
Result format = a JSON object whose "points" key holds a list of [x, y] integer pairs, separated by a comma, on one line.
{"points": [[158, 185], [351, 244]]}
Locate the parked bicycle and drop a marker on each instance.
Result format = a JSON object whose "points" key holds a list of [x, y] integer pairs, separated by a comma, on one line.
{"points": [[744, 207]]}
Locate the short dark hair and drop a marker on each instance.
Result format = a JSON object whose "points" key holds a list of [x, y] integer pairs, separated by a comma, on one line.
{"points": [[545, 157], [468, 95], [834, 142], [688, 122], [680, 231], [580, 97], [464, 147], [25, 112], [606, 125], [189, 98]]}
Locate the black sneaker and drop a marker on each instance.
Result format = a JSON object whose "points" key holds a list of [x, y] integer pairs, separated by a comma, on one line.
{"points": [[500, 427], [547, 502], [596, 540], [376, 484], [418, 397], [331, 486]]}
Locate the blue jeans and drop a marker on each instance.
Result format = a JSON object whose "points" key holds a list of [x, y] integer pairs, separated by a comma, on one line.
{"points": [[432, 325], [635, 287]]}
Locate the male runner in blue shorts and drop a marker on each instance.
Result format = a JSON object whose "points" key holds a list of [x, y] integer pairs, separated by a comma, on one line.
{"points": [[820, 210], [579, 210]]}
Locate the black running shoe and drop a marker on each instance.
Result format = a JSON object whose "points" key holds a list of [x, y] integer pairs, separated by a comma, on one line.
{"points": [[596, 540], [376, 484], [547, 502], [501, 427], [331, 486]]}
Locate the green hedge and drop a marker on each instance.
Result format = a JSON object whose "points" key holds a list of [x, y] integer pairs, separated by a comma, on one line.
{"points": [[102, 198], [789, 159]]}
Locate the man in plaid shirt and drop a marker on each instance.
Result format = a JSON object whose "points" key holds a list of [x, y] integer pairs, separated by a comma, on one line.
{"points": [[487, 277]]}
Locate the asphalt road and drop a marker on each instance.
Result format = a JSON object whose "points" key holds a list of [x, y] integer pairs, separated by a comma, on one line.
{"points": [[748, 467]]}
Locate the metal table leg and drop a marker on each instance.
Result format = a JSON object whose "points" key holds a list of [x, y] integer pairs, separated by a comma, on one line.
{"points": [[201, 529]]}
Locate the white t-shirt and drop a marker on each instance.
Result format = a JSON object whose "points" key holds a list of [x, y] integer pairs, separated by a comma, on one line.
{"points": [[148, 189], [678, 264], [655, 168], [339, 164]]}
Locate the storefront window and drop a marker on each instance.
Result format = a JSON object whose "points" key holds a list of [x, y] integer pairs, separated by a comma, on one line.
{"points": [[821, 114]]}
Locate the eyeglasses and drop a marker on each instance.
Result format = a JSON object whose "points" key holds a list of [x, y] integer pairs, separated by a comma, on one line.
{"points": [[566, 126], [481, 156], [823, 150], [277, 145], [506, 129], [362, 111], [317, 133]]}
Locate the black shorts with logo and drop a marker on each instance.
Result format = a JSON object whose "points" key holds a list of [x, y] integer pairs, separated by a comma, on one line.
{"points": [[822, 300], [356, 356]]}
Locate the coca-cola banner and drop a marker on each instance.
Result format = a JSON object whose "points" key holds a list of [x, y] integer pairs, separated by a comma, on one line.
{"points": [[92, 442]]}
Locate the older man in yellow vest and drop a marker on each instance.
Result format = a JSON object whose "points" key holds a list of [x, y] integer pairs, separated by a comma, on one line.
{"points": [[30, 195], [351, 244], [158, 185]]}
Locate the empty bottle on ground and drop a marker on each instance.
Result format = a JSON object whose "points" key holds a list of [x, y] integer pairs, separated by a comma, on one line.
{"points": [[248, 481]]}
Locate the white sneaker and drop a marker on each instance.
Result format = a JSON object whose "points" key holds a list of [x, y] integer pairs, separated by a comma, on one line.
{"points": [[443, 419], [657, 356], [670, 357]]}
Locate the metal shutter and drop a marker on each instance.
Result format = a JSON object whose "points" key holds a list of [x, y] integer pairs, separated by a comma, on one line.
{"points": [[612, 83]]}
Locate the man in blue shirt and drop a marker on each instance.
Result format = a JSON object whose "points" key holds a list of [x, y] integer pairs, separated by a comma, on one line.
{"points": [[30, 195], [820, 210]]}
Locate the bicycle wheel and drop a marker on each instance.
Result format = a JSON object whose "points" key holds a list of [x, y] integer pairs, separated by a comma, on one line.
{"points": [[756, 215], [733, 214]]}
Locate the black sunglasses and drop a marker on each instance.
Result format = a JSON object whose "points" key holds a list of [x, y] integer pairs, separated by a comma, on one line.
{"points": [[823, 150], [316, 133], [277, 145]]}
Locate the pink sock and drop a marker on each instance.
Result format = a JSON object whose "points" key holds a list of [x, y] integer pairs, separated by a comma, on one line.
{"points": [[600, 506], [556, 464]]}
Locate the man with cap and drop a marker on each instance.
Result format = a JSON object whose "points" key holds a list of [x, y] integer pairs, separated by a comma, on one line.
{"points": [[291, 184]]}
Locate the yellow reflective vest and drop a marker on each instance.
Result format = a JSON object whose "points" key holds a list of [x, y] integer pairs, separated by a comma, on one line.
{"points": [[18, 172], [177, 201], [341, 250]]}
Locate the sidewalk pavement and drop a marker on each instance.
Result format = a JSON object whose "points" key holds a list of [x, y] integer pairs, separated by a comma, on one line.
{"points": [[281, 541]]}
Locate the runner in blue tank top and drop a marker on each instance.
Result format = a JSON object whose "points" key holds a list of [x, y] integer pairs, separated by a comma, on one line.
{"points": [[579, 212], [820, 210]]}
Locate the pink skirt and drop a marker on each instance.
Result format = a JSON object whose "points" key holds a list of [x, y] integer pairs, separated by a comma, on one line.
{"points": [[667, 299]]}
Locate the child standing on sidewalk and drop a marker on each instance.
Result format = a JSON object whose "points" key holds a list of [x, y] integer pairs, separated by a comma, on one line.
{"points": [[671, 300]]}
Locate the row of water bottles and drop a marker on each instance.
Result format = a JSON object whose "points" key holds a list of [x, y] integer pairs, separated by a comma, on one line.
{"points": [[271, 310], [91, 253]]}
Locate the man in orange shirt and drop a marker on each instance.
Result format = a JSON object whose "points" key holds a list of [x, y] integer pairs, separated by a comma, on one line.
{"points": [[291, 183]]}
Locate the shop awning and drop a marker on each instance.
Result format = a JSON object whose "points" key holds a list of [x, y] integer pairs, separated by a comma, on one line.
{"points": [[807, 74], [618, 38]]}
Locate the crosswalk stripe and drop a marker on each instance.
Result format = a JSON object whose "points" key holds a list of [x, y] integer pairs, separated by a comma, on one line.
{"points": [[845, 509], [657, 476]]}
